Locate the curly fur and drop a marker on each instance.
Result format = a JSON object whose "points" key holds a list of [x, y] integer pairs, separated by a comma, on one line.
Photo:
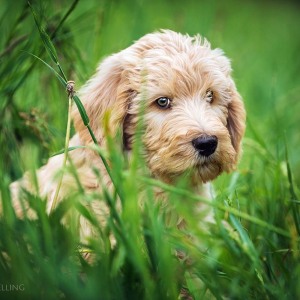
{"points": [[159, 64]]}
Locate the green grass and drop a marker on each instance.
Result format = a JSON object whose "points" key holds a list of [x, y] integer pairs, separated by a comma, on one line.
{"points": [[259, 259]]}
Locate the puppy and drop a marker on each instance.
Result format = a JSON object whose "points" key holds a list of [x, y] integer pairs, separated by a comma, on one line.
{"points": [[194, 118]]}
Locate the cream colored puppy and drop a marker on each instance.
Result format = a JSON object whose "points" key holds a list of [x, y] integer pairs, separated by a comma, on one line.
{"points": [[194, 117]]}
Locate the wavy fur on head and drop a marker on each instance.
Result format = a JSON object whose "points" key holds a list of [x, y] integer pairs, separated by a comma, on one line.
{"points": [[203, 102], [182, 68]]}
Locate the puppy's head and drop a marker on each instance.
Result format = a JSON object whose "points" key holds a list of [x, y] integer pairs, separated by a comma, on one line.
{"points": [[194, 117]]}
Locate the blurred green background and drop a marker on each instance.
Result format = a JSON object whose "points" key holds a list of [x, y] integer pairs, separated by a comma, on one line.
{"points": [[260, 37]]}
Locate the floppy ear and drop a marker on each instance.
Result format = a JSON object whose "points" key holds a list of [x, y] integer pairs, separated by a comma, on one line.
{"points": [[236, 111], [105, 92], [236, 120]]}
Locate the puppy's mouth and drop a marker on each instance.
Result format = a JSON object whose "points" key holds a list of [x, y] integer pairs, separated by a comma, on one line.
{"points": [[208, 168], [204, 161]]}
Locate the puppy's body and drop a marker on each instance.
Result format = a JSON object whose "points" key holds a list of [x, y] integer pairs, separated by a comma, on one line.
{"points": [[194, 118]]}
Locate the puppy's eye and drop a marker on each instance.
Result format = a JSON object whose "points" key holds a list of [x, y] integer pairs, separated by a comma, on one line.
{"points": [[209, 96], [163, 102]]}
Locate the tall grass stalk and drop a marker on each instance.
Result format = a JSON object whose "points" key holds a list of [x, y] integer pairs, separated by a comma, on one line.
{"points": [[53, 55], [68, 130]]}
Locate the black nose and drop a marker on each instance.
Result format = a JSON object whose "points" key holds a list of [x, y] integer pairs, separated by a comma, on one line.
{"points": [[205, 144]]}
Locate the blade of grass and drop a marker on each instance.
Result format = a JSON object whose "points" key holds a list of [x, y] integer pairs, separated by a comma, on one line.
{"points": [[67, 140], [60, 78], [294, 198], [232, 210], [69, 150], [84, 116], [53, 55], [72, 7], [47, 42]]}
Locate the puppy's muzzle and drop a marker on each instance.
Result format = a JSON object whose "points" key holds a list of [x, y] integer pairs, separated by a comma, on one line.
{"points": [[205, 144]]}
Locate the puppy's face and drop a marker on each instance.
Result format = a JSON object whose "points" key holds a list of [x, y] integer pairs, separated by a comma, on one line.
{"points": [[193, 116]]}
